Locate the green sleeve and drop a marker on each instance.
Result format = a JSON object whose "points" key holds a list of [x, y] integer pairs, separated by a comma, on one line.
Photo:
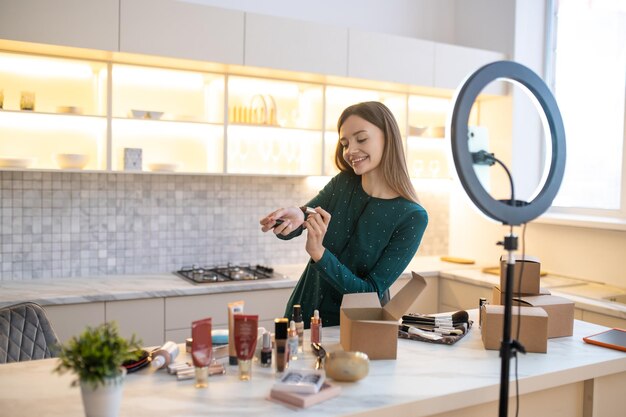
{"points": [[391, 264]]}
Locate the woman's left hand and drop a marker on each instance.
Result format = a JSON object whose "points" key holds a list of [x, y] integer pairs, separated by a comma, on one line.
{"points": [[316, 226]]}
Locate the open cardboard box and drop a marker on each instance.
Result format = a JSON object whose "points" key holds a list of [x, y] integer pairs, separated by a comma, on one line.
{"points": [[367, 327], [498, 295]]}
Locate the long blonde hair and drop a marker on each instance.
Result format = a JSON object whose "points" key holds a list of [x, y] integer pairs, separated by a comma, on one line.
{"points": [[393, 162]]}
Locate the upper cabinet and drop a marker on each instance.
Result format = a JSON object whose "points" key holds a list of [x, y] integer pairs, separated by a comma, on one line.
{"points": [[378, 56], [295, 45], [454, 63], [181, 30], [84, 24]]}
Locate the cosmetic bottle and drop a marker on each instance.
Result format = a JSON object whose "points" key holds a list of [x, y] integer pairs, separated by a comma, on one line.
{"points": [[292, 342], [316, 327], [266, 351], [201, 350], [236, 307], [164, 355], [246, 327], [280, 330], [297, 318]]}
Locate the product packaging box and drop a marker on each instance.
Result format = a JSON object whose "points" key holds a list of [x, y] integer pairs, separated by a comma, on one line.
{"points": [[367, 327], [498, 295], [560, 312], [132, 159], [533, 333], [531, 272]]}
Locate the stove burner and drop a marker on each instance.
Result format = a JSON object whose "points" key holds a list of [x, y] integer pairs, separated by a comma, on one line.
{"points": [[223, 273]]}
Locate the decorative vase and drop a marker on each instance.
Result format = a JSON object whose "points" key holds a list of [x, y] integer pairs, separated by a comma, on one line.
{"points": [[103, 400]]}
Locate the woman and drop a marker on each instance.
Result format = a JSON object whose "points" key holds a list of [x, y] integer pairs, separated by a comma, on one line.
{"points": [[367, 223]]}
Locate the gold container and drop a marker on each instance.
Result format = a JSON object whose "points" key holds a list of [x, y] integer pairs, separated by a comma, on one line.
{"points": [[346, 366]]}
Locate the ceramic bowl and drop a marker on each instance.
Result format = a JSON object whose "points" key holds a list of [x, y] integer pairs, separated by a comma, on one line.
{"points": [[346, 366], [145, 114], [16, 162], [162, 167], [72, 160]]}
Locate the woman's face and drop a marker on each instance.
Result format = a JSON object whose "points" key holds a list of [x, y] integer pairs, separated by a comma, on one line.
{"points": [[363, 144]]}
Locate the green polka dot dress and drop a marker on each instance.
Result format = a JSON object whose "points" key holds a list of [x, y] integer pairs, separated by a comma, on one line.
{"points": [[369, 243]]}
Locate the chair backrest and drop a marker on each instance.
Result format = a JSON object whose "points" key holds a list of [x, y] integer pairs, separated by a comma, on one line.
{"points": [[26, 334]]}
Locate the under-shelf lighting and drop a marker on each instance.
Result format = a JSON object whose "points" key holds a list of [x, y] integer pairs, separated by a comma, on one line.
{"points": [[243, 86], [161, 78], [44, 67]]}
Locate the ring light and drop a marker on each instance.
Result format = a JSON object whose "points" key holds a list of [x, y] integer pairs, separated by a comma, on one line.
{"points": [[509, 214]]}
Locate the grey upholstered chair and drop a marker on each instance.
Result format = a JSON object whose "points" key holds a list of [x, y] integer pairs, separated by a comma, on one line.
{"points": [[26, 334]]}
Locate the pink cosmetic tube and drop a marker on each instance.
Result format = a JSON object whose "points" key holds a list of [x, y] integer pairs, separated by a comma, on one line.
{"points": [[245, 343]]}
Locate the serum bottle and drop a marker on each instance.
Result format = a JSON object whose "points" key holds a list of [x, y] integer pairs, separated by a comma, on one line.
{"points": [[266, 351], [297, 318], [292, 341], [316, 327], [280, 329]]}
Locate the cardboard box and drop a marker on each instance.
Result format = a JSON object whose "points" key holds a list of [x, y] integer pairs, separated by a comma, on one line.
{"points": [[560, 312], [367, 327], [498, 296], [533, 333], [530, 279]]}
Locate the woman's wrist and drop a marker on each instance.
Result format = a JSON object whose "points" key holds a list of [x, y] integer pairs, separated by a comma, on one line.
{"points": [[317, 255]]}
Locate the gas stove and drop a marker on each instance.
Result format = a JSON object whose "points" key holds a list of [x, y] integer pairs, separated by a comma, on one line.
{"points": [[226, 273]]}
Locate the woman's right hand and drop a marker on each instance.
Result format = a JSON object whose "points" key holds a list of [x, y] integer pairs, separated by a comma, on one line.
{"points": [[292, 218]]}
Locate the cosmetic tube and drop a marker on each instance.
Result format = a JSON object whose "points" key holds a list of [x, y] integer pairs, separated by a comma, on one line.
{"points": [[236, 307], [266, 351], [297, 318], [201, 350], [280, 330], [316, 327], [292, 342], [164, 355], [245, 343]]}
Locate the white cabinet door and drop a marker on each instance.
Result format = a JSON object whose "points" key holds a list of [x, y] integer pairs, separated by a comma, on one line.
{"points": [[295, 45], [144, 318], [378, 56], [454, 295], [181, 30], [454, 63], [80, 23], [71, 319]]}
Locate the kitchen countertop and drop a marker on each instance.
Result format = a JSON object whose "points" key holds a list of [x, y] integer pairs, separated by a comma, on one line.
{"points": [[426, 379], [586, 295]]}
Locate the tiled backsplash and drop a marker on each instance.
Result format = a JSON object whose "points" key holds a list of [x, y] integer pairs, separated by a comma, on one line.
{"points": [[55, 224]]}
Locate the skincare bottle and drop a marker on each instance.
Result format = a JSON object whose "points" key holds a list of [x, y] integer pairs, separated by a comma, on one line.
{"points": [[201, 350], [246, 327], [280, 330], [266, 351], [297, 318], [165, 355], [292, 342], [236, 307], [316, 327]]}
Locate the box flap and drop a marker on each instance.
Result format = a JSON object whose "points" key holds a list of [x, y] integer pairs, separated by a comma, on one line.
{"points": [[520, 258], [525, 311], [543, 300], [360, 300], [398, 305]]}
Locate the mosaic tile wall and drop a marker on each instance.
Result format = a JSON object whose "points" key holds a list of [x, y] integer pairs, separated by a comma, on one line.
{"points": [[55, 224]]}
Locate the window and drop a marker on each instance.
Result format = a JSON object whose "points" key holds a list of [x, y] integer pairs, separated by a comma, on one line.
{"points": [[589, 73]]}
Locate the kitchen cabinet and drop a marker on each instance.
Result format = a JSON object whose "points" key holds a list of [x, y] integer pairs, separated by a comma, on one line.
{"points": [[293, 45], [455, 295], [379, 56], [603, 320], [71, 319], [181, 311], [454, 63], [144, 318], [182, 30], [81, 23]]}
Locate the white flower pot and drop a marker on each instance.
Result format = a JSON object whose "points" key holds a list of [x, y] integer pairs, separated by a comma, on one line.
{"points": [[103, 400]]}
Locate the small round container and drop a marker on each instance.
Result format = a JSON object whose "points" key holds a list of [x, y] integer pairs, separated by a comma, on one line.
{"points": [[346, 366]]}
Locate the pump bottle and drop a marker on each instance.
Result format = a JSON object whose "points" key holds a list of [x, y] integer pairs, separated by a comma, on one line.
{"points": [[164, 355]]}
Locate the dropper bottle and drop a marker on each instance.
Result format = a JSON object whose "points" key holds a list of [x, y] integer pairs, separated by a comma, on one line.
{"points": [[316, 327], [297, 318], [292, 341]]}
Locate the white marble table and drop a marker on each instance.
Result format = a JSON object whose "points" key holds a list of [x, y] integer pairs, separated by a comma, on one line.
{"points": [[426, 379]]}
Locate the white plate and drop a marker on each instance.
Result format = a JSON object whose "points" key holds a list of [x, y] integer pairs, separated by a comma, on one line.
{"points": [[162, 167], [16, 162]]}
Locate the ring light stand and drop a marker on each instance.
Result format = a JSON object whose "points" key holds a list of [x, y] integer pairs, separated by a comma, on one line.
{"points": [[508, 212]]}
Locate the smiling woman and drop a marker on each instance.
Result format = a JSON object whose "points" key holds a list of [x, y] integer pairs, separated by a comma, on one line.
{"points": [[367, 223]]}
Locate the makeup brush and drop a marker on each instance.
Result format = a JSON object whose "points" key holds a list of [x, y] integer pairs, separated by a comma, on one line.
{"points": [[454, 319]]}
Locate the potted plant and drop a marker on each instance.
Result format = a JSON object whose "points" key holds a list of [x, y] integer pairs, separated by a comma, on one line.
{"points": [[96, 357]]}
